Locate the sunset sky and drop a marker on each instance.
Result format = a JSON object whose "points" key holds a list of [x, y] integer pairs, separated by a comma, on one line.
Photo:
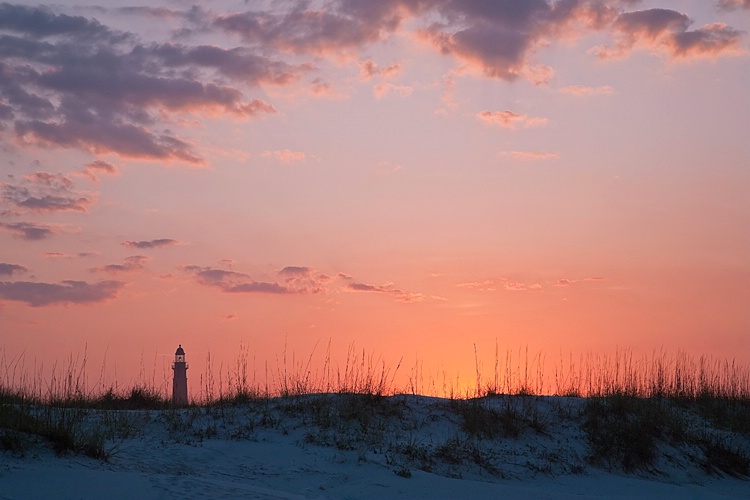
{"points": [[408, 177]]}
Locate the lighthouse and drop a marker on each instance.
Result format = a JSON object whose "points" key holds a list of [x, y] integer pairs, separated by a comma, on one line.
{"points": [[179, 383]]}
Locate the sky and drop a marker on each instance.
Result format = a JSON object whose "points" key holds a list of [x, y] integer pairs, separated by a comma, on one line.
{"points": [[425, 181]]}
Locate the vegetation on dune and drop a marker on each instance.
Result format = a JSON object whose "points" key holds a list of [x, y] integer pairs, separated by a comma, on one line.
{"points": [[633, 414]]}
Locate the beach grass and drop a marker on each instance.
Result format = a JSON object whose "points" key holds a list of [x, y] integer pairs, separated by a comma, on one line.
{"points": [[631, 409]]}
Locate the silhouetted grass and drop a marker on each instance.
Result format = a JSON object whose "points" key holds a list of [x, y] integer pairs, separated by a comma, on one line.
{"points": [[632, 407]]}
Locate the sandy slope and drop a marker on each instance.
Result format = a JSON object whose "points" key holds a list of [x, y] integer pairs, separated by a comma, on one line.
{"points": [[303, 449]]}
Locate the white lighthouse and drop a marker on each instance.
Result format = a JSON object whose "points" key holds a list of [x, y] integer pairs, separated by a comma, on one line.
{"points": [[179, 383]]}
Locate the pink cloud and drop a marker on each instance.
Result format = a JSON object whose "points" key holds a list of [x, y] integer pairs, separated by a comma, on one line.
{"points": [[511, 120], [304, 279], [387, 289], [483, 286], [529, 155], [96, 168], [564, 282], [383, 89], [734, 4], [582, 90], [284, 155], [369, 69]]}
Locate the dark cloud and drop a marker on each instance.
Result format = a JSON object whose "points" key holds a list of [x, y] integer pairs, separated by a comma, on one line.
{"points": [[651, 23], [11, 269], [499, 37], [238, 63], [60, 255], [74, 83], [29, 231], [345, 26], [257, 287], [299, 271], [153, 12], [159, 243], [41, 22], [499, 51], [667, 31], [98, 131], [292, 280], [711, 40], [233, 282], [129, 265], [67, 292], [43, 192]]}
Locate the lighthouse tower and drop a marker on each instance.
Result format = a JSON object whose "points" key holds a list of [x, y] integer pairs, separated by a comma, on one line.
{"points": [[179, 383]]}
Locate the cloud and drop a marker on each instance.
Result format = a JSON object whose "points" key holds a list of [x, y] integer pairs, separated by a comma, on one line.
{"points": [[66, 292], [582, 90], [60, 255], [30, 231], [41, 22], [284, 155], [666, 31], [161, 13], [148, 244], [514, 286], [129, 265], [297, 280], [71, 82], [96, 168], [500, 38], [237, 63], [481, 286], [712, 40], [321, 88], [564, 282], [370, 69], [344, 26], [734, 4], [387, 289], [304, 279], [11, 269], [509, 119], [44, 192], [383, 89], [499, 52], [529, 155]]}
